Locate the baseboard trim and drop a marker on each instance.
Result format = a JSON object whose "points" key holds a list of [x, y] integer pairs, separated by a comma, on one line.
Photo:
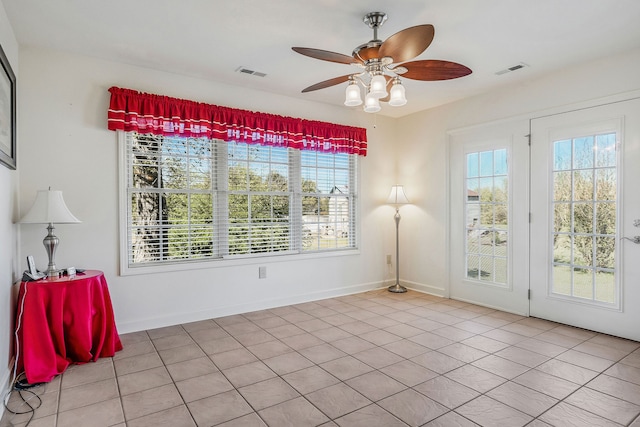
{"points": [[179, 318]]}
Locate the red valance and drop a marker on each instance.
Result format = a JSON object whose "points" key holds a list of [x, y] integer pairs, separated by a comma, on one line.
{"points": [[134, 111]]}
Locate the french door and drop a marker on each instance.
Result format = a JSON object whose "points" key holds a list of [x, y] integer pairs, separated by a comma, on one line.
{"points": [[585, 198], [488, 223]]}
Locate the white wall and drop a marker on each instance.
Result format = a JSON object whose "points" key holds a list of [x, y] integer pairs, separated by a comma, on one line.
{"points": [[65, 145], [422, 151], [9, 263]]}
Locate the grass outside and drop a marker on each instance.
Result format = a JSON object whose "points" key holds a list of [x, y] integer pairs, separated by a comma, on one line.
{"points": [[601, 288]]}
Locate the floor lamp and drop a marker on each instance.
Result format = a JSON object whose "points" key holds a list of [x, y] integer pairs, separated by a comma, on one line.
{"points": [[397, 198]]}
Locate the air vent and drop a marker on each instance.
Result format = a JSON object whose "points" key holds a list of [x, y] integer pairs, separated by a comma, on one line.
{"points": [[510, 69], [244, 70]]}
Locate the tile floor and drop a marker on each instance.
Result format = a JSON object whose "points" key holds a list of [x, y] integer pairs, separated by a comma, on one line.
{"points": [[372, 359]]}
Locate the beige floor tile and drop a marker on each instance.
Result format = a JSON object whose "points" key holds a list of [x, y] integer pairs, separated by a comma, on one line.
{"points": [[180, 354], [167, 331], [379, 337], [137, 363], [624, 372], [172, 341], [585, 360], [446, 391], [135, 348], [352, 345], [331, 334], [604, 405], [269, 349], [378, 357], [89, 373], [541, 347], [559, 339], [286, 330], [268, 393], [453, 333], [616, 387], [559, 414], [463, 352], [143, 380], [337, 400], [601, 350], [568, 371], [178, 416], [475, 378], [199, 325], [296, 412], [191, 368], [220, 345], [105, 413], [437, 362], [346, 367], [431, 340], [310, 379], [233, 358], [499, 366], [209, 334], [358, 327], [451, 419], [375, 385], [87, 394], [370, 416], [486, 344], [219, 408], [487, 412], [134, 337], [203, 386], [253, 338], [322, 353], [406, 348], [547, 384], [241, 328], [250, 373], [249, 420], [505, 336], [522, 356], [302, 341], [288, 362], [408, 373], [522, 398], [412, 407], [147, 402]]}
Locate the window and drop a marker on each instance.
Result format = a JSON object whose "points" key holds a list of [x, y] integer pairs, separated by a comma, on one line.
{"points": [[584, 217], [192, 199], [487, 216]]}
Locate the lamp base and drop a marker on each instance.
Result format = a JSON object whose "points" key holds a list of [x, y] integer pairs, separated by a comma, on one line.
{"points": [[397, 288]]}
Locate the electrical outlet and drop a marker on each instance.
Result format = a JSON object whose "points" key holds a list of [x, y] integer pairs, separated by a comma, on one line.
{"points": [[388, 259], [262, 272]]}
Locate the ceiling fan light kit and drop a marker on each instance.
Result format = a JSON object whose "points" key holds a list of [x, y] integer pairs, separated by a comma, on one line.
{"points": [[382, 63]]}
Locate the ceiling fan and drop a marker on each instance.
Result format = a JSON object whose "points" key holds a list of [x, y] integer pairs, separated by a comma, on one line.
{"points": [[382, 63]]}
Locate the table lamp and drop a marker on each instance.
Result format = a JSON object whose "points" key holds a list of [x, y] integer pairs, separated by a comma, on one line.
{"points": [[397, 198], [49, 208]]}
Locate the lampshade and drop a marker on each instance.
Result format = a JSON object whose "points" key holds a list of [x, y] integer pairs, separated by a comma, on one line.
{"points": [[397, 97], [352, 96], [371, 104], [49, 208], [397, 196], [378, 86]]}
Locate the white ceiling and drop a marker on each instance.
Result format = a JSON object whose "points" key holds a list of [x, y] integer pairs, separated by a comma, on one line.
{"points": [[210, 39]]}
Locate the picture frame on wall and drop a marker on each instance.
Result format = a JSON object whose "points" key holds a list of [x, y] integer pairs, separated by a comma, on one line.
{"points": [[7, 113]]}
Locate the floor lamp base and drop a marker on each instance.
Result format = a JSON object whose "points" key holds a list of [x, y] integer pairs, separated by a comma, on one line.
{"points": [[397, 288]]}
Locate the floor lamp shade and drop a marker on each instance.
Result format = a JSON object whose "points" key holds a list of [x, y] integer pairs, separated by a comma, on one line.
{"points": [[49, 208], [397, 197]]}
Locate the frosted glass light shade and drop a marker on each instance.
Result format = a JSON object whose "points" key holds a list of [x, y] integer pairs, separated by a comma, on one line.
{"points": [[371, 104], [397, 196], [352, 95], [378, 86], [49, 208], [397, 98]]}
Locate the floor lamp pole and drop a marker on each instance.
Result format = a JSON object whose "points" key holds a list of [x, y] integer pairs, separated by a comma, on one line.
{"points": [[397, 288]]}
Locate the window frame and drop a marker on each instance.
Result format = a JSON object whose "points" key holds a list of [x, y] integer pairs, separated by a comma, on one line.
{"points": [[225, 260]]}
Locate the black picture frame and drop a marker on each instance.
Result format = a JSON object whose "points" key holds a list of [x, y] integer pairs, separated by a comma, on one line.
{"points": [[7, 113]]}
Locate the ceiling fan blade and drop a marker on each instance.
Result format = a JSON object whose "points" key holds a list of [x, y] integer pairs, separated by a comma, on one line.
{"points": [[432, 70], [325, 55], [327, 83], [408, 43]]}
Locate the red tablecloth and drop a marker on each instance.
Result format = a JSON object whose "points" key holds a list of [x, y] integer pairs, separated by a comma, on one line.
{"points": [[63, 321]]}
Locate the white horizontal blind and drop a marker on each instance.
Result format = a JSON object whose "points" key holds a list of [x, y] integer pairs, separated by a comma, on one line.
{"points": [[196, 199], [172, 198], [260, 199], [328, 201]]}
